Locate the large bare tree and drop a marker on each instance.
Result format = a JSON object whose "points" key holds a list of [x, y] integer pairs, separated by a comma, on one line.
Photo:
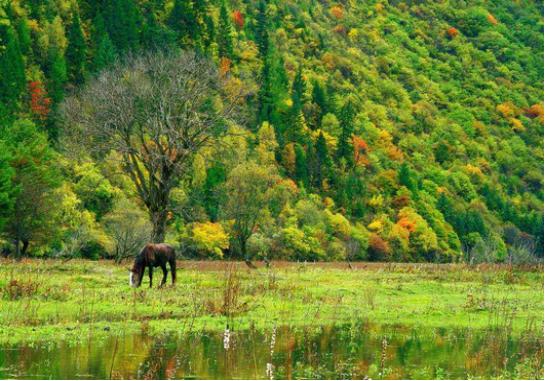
{"points": [[157, 110]]}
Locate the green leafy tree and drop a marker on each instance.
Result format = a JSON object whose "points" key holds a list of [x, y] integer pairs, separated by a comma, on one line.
{"points": [[6, 186], [35, 176], [248, 186]]}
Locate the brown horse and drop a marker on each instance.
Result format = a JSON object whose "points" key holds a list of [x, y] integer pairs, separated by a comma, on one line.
{"points": [[153, 255]]}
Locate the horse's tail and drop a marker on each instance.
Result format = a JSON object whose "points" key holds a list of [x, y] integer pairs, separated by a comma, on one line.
{"points": [[172, 262]]}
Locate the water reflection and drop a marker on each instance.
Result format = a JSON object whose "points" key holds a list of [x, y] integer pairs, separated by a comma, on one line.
{"points": [[351, 351]]}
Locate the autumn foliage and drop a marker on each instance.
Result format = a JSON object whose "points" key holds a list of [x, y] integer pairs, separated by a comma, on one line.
{"points": [[238, 19], [535, 111], [337, 12], [360, 151], [40, 103], [491, 19], [225, 66], [379, 248], [452, 32]]}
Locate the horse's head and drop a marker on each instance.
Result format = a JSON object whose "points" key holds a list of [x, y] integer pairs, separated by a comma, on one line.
{"points": [[135, 276]]}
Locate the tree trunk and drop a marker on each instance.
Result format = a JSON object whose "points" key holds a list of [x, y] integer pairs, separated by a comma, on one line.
{"points": [[159, 222], [247, 259], [25, 247], [17, 250]]}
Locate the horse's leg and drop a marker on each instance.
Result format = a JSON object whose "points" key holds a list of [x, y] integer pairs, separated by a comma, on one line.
{"points": [[165, 272], [150, 275]]}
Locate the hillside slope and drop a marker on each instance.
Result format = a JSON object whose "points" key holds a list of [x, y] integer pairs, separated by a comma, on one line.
{"points": [[402, 131]]}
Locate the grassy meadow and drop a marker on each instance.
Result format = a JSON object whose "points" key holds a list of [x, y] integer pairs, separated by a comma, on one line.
{"points": [[44, 300]]}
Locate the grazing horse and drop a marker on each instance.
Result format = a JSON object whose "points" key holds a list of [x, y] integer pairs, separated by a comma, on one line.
{"points": [[153, 255]]}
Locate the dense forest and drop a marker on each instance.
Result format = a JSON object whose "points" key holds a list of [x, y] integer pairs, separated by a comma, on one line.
{"points": [[324, 130]]}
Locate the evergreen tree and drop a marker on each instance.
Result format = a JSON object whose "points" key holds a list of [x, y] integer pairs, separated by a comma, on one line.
{"points": [[265, 101], [57, 76], [319, 97], [296, 120], [345, 148], [155, 35], [121, 18], [224, 37], [200, 8], [406, 177], [301, 167], [183, 20], [12, 73], [262, 33], [76, 52], [210, 35], [105, 52], [25, 39], [323, 161]]}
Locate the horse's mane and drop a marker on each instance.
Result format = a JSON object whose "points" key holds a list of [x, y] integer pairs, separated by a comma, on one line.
{"points": [[139, 260]]}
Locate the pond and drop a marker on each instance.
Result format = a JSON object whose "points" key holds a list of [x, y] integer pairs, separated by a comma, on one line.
{"points": [[352, 351]]}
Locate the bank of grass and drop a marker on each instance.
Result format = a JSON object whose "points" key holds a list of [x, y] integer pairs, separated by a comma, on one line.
{"points": [[75, 300]]}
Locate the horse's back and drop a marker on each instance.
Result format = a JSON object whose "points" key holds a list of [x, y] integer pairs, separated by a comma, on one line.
{"points": [[161, 250]]}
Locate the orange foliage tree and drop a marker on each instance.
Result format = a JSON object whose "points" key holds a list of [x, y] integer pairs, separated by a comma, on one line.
{"points": [[378, 247], [225, 66], [360, 150], [238, 19], [40, 103], [535, 111], [337, 12], [452, 32], [491, 19]]}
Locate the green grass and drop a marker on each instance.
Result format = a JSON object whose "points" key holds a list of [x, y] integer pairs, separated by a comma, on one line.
{"points": [[48, 300]]}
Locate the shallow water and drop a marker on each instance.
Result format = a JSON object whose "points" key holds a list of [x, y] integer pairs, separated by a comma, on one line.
{"points": [[350, 351]]}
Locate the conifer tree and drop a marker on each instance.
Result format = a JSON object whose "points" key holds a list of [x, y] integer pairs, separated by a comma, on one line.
{"points": [[264, 96], [183, 20], [200, 10], [262, 34], [301, 165], [296, 120], [156, 35], [345, 149], [25, 39], [76, 53], [405, 177], [319, 97], [210, 35], [104, 53], [121, 18], [224, 37], [12, 72], [58, 76], [323, 161]]}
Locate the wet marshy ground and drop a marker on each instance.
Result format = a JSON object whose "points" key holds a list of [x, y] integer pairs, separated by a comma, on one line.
{"points": [[352, 351]]}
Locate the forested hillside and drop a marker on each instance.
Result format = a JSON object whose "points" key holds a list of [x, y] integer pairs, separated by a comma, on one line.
{"points": [[363, 130]]}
